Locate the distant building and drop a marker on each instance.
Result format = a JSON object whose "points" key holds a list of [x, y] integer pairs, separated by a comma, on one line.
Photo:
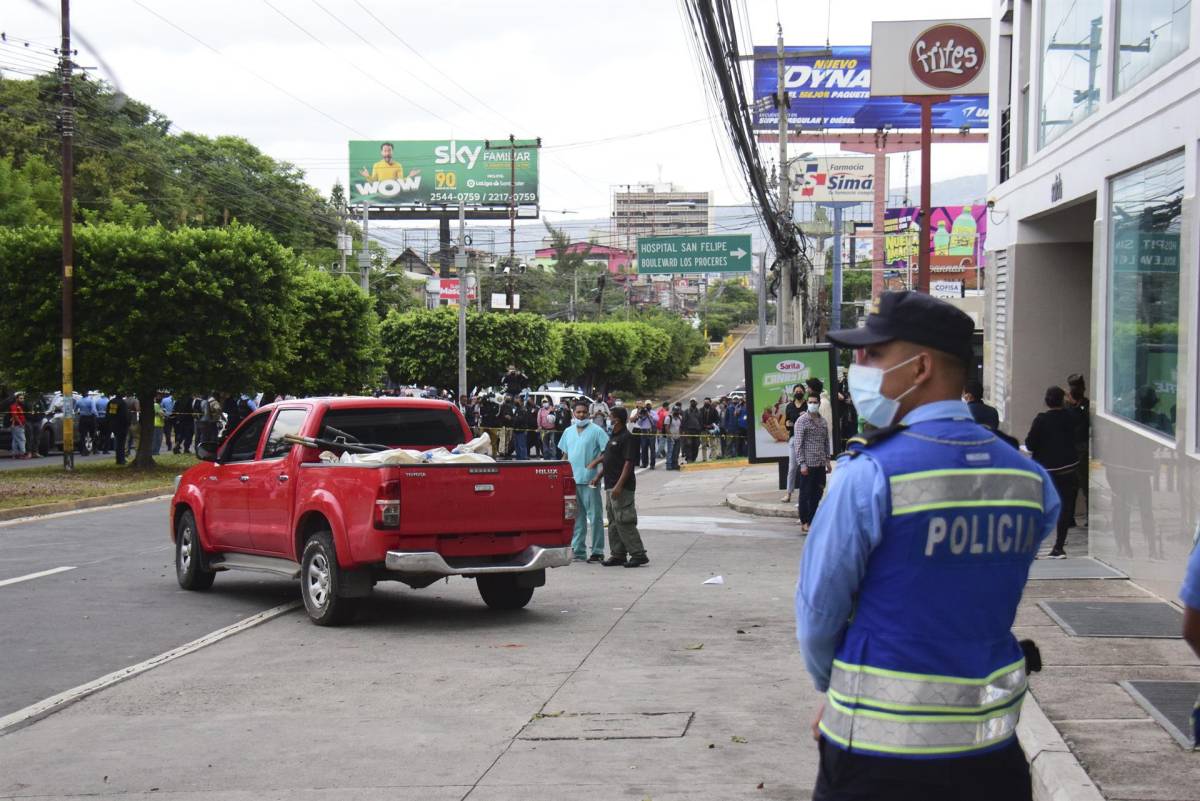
{"points": [[657, 210], [410, 262], [615, 260]]}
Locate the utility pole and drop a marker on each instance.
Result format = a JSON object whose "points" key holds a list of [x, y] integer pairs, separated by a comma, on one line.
{"points": [[460, 261], [512, 147], [783, 315], [67, 131], [364, 255]]}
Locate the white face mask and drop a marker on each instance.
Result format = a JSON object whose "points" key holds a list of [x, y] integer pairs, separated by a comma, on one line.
{"points": [[813, 408], [866, 385], [582, 422]]}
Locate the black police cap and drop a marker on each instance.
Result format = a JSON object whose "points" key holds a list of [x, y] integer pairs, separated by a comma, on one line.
{"points": [[912, 317]]}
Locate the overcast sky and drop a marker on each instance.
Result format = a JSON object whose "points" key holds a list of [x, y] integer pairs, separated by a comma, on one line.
{"points": [[570, 71]]}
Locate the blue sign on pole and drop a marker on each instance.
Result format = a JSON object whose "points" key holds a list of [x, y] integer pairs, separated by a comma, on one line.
{"points": [[834, 91]]}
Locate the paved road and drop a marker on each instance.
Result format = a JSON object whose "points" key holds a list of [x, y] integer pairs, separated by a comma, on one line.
{"points": [[118, 606], [429, 695], [731, 374]]}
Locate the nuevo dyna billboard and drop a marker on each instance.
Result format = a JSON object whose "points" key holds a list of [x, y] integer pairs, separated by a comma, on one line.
{"points": [[440, 172], [835, 92]]}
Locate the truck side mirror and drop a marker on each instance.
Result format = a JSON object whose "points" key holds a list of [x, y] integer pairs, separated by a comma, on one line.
{"points": [[207, 451]]}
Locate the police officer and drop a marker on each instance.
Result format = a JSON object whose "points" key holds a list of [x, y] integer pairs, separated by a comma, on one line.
{"points": [[912, 573]]}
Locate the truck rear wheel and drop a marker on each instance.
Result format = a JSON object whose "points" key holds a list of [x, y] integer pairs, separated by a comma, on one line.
{"points": [[191, 569], [320, 580], [501, 591]]}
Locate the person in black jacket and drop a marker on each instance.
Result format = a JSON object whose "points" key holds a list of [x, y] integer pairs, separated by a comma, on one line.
{"points": [[1051, 440], [691, 428], [982, 413]]}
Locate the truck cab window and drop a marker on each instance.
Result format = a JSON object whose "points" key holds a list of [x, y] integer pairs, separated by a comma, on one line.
{"points": [[396, 427], [244, 444], [288, 421]]}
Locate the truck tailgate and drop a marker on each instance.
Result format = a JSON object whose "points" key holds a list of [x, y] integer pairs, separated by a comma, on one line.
{"points": [[505, 497]]}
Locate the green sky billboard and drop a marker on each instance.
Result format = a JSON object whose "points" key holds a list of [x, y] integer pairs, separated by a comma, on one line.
{"points": [[436, 172], [770, 375]]}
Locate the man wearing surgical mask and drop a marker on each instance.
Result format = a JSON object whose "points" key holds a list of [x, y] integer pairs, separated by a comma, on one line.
{"points": [[912, 573], [582, 443]]}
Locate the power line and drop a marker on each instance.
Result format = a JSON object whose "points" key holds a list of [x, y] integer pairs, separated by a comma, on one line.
{"points": [[265, 80], [357, 68], [374, 47]]}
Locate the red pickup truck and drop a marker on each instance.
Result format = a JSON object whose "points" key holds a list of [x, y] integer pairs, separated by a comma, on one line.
{"points": [[262, 501]]}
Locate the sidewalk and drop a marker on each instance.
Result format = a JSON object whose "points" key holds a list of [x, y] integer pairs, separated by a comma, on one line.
{"points": [[1086, 736]]}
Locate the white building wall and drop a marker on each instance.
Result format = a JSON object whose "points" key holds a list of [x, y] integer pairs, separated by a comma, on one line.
{"points": [[1142, 524]]}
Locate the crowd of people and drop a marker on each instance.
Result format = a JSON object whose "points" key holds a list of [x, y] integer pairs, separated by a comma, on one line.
{"points": [[109, 423]]}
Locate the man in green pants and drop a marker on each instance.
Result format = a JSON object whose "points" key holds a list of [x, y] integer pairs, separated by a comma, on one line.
{"points": [[583, 445], [620, 458]]}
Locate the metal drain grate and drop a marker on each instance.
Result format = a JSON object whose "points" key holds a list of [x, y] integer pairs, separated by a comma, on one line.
{"points": [[1154, 620], [607, 726], [1084, 567], [1168, 702]]}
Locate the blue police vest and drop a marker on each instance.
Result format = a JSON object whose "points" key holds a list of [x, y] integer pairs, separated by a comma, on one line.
{"points": [[929, 667]]}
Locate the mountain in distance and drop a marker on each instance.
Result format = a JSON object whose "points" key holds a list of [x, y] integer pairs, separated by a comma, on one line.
{"points": [[530, 236]]}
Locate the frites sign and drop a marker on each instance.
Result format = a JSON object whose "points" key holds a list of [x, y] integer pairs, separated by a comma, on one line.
{"points": [[947, 57], [924, 57]]}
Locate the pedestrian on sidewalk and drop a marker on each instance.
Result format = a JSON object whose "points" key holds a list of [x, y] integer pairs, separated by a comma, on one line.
{"points": [[1051, 440], [643, 427], [792, 413], [810, 445], [672, 430], [103, 424], [582, 444], [620, 458], [982, 413], [16, 425], [690, 427], [1080, 407], [118, 418], [547, 428], [85, 414], [900, 612], [661, 425]]}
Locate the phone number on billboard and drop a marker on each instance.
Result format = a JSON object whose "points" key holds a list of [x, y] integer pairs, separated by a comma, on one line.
{"points": [[480, 197]]}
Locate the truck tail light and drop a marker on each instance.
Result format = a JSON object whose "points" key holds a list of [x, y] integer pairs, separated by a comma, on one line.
{"points": [[570, 502], [387, 505]]}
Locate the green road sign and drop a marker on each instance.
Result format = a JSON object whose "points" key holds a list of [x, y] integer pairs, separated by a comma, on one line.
{"points": [[729, 253]]}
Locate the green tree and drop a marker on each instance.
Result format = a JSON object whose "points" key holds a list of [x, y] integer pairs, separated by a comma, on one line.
{"points": [[422, 347], [335, 334], [191, 309], [126, 155]]}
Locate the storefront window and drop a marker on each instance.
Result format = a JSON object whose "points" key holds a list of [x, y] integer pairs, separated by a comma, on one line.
{"points": [[1072, 56], [1145, 221], [1151, 33]]}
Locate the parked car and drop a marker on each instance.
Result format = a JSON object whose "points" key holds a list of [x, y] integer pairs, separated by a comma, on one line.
{"points": [[265, 503], [50, 435]]}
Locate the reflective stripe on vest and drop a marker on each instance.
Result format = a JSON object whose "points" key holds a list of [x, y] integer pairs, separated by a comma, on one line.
{"points": [[945, 489], [888, 733], [914, 692], [978, 712]]}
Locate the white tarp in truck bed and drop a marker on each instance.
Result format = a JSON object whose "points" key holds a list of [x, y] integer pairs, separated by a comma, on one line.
{"points": [[475, 451]]}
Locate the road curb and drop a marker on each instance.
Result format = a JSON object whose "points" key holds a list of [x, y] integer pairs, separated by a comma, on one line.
{"points": [[1057, 774], [715, 465], [83, 503], [740, 504]]}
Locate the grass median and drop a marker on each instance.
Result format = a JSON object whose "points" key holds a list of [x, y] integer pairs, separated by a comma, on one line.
{"points": [[34, 486]]}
